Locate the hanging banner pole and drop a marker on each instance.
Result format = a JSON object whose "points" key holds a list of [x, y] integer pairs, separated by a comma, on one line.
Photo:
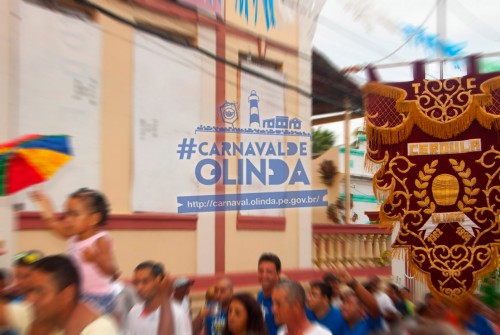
{"points": [[441, 31]]}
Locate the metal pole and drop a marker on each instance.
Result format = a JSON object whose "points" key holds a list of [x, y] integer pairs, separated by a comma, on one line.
{"points": [[441, 31], [347, 161]]}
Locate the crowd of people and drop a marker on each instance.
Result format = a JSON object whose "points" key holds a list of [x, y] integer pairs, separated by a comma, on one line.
{"points": [[79, 293]]}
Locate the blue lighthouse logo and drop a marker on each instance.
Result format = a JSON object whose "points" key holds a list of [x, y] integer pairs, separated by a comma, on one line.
{"points": [[253, 99]]}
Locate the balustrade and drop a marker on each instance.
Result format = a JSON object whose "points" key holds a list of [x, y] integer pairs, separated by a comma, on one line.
{"points": [[349, 245]]}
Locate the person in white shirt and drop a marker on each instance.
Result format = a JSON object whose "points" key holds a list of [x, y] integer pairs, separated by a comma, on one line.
{"points": [[144, 318], [387, 308], [181, 288], [289, 308], [385, 304]]}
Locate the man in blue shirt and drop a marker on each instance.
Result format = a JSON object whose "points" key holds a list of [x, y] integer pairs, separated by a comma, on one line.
{"points": [[319, 308], [269, 268], [358, 315]]}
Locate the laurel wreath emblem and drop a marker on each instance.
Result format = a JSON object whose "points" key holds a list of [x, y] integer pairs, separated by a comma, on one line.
{"points": [[424, 176], [465, 205]]}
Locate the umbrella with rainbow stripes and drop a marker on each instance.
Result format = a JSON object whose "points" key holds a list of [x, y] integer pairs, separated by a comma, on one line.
{"points": [[30, 160]]}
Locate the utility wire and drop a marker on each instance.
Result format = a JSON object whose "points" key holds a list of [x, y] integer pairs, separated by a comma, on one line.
{"points": [[301, 82], [319, 19], [355, 37], [410, 37], [169, 53], [205, 52]]}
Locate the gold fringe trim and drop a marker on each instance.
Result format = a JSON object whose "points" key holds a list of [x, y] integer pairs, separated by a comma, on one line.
{"points": [[384, 90], [387, 224], [407, 107], [449, 129], [382, 135], [385, 221], [488, 120], [492, 265], [371, 166], [414, 116], [385, 135], [484, 118], [382, 194], [483, 100], [418, 274], [382, 163], [404, 253], [491, 84], [399, 253]]}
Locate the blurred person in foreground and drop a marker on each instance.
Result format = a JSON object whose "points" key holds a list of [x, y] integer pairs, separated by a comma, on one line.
{"points": [[244, 316], [181, 287], [144, 318], [212, 318], [22, 264], [334, 282], [406, 296], [53, 303], [359, 313], [289, 309], [471, 317]]}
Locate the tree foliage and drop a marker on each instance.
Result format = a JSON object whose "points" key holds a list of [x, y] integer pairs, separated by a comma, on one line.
{"points": [[323, 139]]}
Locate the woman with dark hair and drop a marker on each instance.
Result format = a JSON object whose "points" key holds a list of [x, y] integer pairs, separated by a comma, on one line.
{"points": [[244, 316]]}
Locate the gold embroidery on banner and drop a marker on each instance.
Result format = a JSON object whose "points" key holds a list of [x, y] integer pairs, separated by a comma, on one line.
{"points": [[422, 183], [431, 254], [448, 217], [486, 119], [445, 189], [380, 131], [463, 234], [467, 201], [372, 165], [454, 256], [434, 235], [491, 211], [447, 106], [398, 201], [440, 114], [451, 262]]}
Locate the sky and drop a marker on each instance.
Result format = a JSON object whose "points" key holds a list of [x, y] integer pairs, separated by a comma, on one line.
{"points": [[360, 32]]}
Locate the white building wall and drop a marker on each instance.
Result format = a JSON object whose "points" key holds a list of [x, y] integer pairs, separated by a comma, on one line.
{"points": [[361, 189], [9, 37], [361, 182]]}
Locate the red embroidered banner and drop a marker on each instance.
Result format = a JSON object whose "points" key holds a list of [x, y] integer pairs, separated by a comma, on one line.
{"points": [[436, 145]]}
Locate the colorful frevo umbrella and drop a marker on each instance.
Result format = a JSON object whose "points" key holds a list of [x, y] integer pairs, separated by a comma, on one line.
{"points": [[30, 160]]}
